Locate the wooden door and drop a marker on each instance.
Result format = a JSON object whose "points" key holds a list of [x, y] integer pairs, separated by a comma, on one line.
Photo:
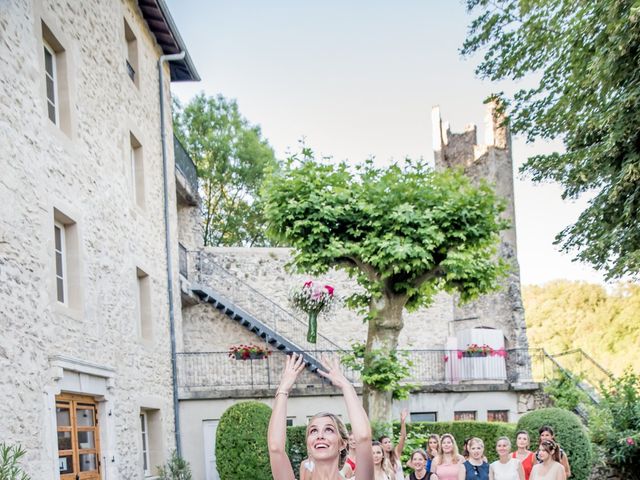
{"points": [[78, 437]]}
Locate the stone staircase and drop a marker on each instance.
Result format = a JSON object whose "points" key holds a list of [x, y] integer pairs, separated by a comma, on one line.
{"points": [[260, 315]]}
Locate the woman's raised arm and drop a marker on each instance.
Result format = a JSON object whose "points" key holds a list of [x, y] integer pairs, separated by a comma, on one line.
{"points": [[357, 417], [277, 434]]}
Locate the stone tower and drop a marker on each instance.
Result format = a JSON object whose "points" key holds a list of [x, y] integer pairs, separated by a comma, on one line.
{"points": [[493, 162]]}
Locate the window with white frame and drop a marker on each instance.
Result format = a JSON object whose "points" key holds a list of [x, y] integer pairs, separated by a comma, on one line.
{"points": [[51, 80], [144, 429], [61, 261], [144, 304], [131, 61]]}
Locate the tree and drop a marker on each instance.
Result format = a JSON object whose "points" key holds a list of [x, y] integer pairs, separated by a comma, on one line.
{"points": [[231, 158], [584, 57], [403, 233]]}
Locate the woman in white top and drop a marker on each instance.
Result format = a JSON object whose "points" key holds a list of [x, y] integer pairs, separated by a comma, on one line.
{"points": [[550, 468], [505, 468], [392, 453]]}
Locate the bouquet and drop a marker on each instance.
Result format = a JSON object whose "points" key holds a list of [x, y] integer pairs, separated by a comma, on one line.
{"points": [[312, 299]]}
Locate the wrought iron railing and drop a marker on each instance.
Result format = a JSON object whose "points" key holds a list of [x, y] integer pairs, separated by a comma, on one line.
{"points": [[215, 370], [185, 165], [261, 307]]}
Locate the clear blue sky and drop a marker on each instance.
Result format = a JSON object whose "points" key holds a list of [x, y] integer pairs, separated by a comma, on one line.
{"points": [[358, 78]]}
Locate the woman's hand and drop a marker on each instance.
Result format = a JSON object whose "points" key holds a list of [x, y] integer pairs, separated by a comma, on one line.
{"points": [[333, 373], [294, 364], [403, 415]]}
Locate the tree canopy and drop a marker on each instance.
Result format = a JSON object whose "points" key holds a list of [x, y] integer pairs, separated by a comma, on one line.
{"points": [[404, 232], [231, 158], [583, 57], [564, 315]]}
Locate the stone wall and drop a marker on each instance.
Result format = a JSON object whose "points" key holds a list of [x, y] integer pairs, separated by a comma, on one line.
{"points": [[83, 172]]}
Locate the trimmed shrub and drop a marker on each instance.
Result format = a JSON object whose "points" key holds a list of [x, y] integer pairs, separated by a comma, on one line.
{"points": [[241, 442], [296, 446], [569, 432]]}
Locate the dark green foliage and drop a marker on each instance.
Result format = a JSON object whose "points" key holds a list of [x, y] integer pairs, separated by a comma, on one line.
{"points": [[296, 446], [569, 432], [615, 425], [241, 442], [581, 59], [177, 468], [10, 468], [489, 432]]}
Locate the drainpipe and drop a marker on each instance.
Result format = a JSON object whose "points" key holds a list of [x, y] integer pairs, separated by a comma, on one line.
{"points": [[167, 237]]}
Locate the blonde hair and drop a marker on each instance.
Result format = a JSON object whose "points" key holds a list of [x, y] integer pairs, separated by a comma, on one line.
{"points": [[504, 439], [342, 431], [385, 465], [475, 440], [455, 454]]}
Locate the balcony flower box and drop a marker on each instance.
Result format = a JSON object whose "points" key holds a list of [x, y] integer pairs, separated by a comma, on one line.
{"points": [[248, 352]]}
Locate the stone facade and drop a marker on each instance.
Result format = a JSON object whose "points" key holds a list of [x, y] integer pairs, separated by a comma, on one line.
{"points": [[78, 173]]}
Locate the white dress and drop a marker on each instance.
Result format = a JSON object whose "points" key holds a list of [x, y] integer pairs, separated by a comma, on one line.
{"points": [[399, 472], [505, 471]]}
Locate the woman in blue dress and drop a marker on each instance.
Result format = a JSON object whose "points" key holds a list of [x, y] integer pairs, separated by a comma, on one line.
{"points": [[476, 466]]}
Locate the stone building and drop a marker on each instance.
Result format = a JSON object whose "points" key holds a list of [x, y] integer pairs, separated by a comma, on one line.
{"points": [[240, 295], [85, 316]]}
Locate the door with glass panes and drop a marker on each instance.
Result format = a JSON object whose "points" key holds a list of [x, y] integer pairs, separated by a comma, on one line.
{"points": [[78, 437]]}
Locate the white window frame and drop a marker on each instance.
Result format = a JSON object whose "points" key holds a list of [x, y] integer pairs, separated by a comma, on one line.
{"points": [[62, 275], [53, 76], [144, 431]]}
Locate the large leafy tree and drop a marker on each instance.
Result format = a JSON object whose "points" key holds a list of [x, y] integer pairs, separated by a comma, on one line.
{"points": [[231, 158], [581, 59], [403, 232]]}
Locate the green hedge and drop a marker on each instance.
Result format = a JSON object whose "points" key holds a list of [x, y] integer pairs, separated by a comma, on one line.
{"points": [[489, 432], [569, 432], [241, 442], [417, 433]]}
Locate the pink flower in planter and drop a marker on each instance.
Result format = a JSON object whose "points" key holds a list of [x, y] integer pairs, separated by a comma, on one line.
{"points": [[460, 354], [308, 284], [329, 289], [446, 358], [630, 441]]}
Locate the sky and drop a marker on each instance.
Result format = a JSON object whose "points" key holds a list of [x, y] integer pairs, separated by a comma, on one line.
{"points": [[357, 79]]}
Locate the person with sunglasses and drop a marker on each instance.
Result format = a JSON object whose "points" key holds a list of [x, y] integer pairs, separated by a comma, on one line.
{"points": [[476, 466]]}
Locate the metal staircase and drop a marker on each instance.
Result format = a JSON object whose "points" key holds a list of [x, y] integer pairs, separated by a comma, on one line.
{"points": [[259, 314]]}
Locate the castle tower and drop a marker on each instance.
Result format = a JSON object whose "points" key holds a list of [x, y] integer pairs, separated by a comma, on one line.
{"points": [[491, 161]]}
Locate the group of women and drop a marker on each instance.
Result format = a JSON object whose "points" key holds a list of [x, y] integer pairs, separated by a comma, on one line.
{"points": [[335, 454], [441, 460]]}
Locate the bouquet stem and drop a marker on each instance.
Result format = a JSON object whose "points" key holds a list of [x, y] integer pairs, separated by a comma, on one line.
{"points": [[312, 331]]}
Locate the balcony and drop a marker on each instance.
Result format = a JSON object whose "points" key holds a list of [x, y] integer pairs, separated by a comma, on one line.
{"points": [[215, 375], [186, 174]]}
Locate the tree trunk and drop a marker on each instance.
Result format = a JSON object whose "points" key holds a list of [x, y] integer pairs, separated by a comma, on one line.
{"points": [[384, 329]]}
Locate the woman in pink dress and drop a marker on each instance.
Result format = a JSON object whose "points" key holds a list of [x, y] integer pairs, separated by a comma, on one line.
{"points": [[448, 464]]}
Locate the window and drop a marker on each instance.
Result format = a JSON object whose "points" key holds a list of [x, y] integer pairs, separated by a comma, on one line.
{"points": [[131, 61], [66, 260], [145, 444], [78, 437], [464, 416], [424, 416], [56, 85], [61, 284], [137, 170], [290, 421], [144, 304], [51, 82], [498, 416]]}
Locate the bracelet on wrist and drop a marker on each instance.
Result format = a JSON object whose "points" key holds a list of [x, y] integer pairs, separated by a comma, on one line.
{"points": [[282, 392]]}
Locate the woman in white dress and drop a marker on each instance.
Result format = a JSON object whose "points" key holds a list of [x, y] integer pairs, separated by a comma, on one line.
{"points": [[550, 468], [505, 468]]}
